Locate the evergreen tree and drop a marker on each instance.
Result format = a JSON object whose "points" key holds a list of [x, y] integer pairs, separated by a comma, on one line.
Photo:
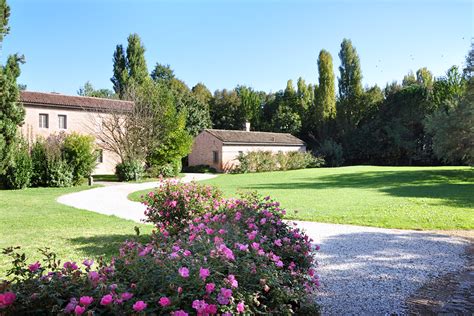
{"points": [[130, 66], [162, 73], [136, 63], [120, 72], [12, 112], [326, 98], [349, 108]]}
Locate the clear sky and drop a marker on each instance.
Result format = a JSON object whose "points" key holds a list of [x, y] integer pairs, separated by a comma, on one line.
{"points": [[229, 42]]}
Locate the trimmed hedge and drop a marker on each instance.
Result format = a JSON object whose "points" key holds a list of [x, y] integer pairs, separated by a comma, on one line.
{"points": [[261, 161]]}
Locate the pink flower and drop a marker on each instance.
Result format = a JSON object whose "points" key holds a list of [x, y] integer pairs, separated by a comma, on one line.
{"points": [[255, 245], [7, 299], [279, 264], [70, 266], [86, 300], [179, 313], [240, 307], [263, 221], [226, 314], [209, 231], [126, 296], [139, 306], [186, 253], [88, 263], [164, 301], [211, 309], [224, 296], [278, 242], [210, 287], [199, 306], [145, 251], [173, 203], [184, 272], [34, 266], [232, 281], [79, 310], [204, 273], [252, 235], [106, 300], [93, 276]]}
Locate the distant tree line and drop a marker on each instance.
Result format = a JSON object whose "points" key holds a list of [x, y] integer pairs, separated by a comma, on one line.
{"points": [[421, 120]]}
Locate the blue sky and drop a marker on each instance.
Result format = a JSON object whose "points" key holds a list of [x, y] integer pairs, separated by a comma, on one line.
{"points": [[229, 42]]}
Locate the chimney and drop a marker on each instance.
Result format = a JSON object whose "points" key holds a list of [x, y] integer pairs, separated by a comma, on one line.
{"points": [[247, 126]]}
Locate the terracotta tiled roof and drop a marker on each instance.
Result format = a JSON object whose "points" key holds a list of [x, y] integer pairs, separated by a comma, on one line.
{"points": [[78, 102], [255, 138]]}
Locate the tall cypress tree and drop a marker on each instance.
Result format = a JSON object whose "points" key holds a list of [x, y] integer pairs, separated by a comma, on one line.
{"points": [[120, 71], [326, 99], [130, 66], [350, 86], [136, 63], [12, 112]]}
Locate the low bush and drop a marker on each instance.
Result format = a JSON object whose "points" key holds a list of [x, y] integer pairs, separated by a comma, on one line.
{"points": [[261, 161], [19, 171], [166, 170], [39, 158], [238, 258], [80, 154], [200, 169], [332, 153], [59, 173], [129, 170]]}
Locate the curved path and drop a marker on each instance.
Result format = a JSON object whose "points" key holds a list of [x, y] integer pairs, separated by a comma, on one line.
{"points": [[364, 270], [112, 198]]}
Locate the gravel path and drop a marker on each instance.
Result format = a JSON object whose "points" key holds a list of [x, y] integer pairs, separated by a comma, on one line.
{"points": [[112, 198], [364, 270], [372, 271]]}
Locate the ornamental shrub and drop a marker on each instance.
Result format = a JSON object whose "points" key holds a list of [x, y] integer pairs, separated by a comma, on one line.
{"points": [[59, 173], [39, 159], [129, 170], [167, 170], [261, 161], [332, 153], [239, 258], [19, 170], [175, 204], [80, 154]]}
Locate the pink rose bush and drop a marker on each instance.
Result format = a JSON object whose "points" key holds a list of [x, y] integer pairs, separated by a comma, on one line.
{"points": [[223, 259]]}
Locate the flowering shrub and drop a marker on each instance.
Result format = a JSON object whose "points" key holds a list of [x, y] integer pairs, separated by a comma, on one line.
{"points": [[174, 204], [237, 257]]}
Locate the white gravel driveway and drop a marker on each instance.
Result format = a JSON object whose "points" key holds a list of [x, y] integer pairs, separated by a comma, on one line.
{"points": [[364, 270], [112, 199]]}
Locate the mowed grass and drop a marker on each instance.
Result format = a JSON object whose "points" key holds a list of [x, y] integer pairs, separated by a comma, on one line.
{"points": [[393, 197], [32, 219]]}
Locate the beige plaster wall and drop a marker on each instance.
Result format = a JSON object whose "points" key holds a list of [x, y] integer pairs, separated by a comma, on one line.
{"points": [[80, 121], [202, 151]]}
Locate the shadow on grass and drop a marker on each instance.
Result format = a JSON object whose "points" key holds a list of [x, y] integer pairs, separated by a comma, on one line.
{"points": [[382, 267], [440, 184], [105, 245]]}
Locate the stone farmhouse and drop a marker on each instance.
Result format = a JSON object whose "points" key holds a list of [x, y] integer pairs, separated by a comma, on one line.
{"points": [[53, 113], [220, 148]]}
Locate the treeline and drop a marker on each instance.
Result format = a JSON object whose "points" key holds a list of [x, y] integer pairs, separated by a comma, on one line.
{"points": [[411, 122]]}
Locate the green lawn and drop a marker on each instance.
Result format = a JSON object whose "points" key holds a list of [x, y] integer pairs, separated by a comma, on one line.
{"points": [[393, 197], [32, 219]]}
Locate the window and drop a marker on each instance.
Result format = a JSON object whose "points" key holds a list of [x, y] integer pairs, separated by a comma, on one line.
{"points": [[43, 121], [62, 119], [215, 156], [100, 156]]}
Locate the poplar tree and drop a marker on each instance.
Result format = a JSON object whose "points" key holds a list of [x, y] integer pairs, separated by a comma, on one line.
{"points": [[350, 86], [129, 66], [326, 98], [12, 112]]}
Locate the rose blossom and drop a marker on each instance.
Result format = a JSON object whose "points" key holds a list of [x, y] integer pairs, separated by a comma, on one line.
{"points": [[86, 300], [184, 272], [204, 273], [139, 306], [240, 307], [79, 310], [34, 266], [210, 287], [106, 300], [164, 301]]}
